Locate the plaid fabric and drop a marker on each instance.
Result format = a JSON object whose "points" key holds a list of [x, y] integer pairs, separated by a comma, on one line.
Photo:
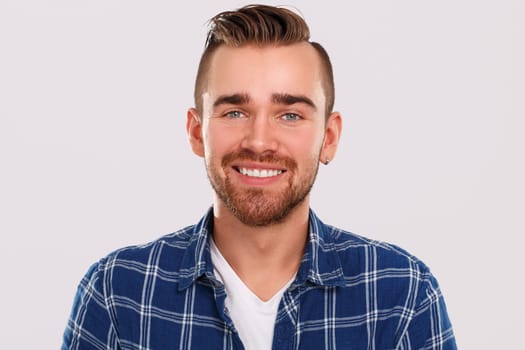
{"points": [[349, 293]]}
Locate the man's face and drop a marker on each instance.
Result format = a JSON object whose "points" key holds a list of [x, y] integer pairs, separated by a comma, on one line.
{"points": [[262, 129]]}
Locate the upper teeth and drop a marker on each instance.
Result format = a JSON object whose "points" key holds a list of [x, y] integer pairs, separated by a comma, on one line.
{"points": [[260, 172]]}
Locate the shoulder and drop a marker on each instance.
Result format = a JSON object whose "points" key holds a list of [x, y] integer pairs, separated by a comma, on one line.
{"points": [[174, 243], [362, 256], [393, 279], [161, 257], [390, 271]]}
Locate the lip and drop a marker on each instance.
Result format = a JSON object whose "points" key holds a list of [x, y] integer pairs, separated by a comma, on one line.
{"points": [[258, 165], [258, 181]]}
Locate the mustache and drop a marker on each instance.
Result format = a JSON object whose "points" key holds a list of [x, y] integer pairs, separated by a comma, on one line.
{"points": [[265, 157]]}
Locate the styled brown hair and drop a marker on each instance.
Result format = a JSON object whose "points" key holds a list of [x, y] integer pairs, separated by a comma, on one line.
{"points": [[260, 25]]}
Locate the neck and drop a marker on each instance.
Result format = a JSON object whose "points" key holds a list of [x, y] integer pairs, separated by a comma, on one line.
{"points": [[265, 258]]}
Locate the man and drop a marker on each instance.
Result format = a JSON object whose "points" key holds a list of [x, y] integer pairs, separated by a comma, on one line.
{"points": [[260, 270]]}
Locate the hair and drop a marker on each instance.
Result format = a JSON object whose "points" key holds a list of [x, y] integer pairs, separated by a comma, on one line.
{"points": [[260, 25]]}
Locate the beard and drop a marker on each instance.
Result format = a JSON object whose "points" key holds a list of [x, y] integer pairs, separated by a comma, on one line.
{"points": [[258, 207]]}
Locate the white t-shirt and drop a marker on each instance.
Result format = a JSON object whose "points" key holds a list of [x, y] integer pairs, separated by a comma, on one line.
{"points": [[253, 318]]}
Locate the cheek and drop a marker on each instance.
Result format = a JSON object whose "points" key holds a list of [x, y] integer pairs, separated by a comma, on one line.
{"points": [[217, 142], [305, 145]]}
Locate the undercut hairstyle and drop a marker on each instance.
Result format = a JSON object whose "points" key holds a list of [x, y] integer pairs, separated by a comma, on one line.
{"points": [[260, 25]]}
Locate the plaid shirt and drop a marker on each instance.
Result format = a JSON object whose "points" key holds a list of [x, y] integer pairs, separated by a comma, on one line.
{"points": [[349, 293]]}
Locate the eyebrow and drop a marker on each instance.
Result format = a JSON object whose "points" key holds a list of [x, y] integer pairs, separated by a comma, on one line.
{"points": [[234, 99], [288, 99], [278, 98]]}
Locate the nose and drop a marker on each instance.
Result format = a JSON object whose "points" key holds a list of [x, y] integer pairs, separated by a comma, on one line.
{"points": [[260, 135]]}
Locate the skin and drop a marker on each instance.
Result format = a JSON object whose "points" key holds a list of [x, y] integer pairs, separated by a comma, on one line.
{"points": [[263, 108]]}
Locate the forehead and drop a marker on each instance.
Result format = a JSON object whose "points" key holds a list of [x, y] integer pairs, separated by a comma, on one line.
{"points": [[263, 71]]}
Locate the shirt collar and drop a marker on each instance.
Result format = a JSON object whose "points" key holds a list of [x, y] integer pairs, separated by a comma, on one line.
{"points": [[320, 264]]}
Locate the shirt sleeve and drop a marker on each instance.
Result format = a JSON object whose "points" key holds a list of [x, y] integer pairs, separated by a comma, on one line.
{"points": [[430, 327], [89, 325]]}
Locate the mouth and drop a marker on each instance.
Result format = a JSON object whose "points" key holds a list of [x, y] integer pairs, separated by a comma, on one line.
{"points": [[259, 173]]}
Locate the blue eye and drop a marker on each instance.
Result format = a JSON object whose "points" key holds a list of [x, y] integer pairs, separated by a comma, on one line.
{"points": [[234, 114], [291, 117]]}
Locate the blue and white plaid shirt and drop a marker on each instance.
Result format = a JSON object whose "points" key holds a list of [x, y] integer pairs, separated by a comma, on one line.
{"points": [[349, 293]]}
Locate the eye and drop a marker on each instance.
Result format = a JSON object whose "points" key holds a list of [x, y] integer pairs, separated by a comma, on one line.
{"points": [[291, 117], [234, 114]]}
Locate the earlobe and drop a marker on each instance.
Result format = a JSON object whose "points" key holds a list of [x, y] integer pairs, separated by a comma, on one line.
{"points": [[331, 137], [194, 131]]}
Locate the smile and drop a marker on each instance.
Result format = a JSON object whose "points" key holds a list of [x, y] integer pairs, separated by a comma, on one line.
{"points": [[259, 172]]}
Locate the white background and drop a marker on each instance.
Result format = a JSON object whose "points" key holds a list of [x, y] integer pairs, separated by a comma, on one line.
{"points": [[93, 152]]}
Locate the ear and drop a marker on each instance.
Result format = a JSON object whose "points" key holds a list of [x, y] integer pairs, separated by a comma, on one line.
{"points": [[333, 130], [194, 130]]}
